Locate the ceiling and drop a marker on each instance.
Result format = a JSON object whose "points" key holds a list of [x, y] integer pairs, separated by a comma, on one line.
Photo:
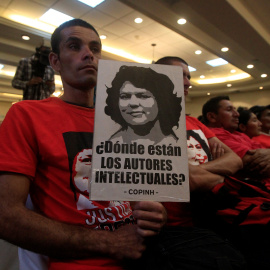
{"points": [[241, 25]]}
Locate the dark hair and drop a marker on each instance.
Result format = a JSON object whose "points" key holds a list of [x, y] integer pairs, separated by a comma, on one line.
{"points": [[258, 110], [56, 36], [212, 105], [158, 84], [197, 137], [168, 60], [244, 116]]}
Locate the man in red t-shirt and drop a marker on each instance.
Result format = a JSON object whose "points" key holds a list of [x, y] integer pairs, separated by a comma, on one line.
{"points": [[211, 157], [222, 117], [188, 246], [46, 150]]}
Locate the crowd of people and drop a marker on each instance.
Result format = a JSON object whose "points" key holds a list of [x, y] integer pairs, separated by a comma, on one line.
{"points": [[224, 226]]}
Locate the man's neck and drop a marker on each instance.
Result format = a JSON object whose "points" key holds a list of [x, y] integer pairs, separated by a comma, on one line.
{"points": [[78, 97]]}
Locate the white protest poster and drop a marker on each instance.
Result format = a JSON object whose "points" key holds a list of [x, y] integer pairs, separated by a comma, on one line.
{"points": [[140, 144]]}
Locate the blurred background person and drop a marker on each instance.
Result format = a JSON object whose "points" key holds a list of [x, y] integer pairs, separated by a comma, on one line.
{"points": [[263, 114], [249, 123], [35, 76]]}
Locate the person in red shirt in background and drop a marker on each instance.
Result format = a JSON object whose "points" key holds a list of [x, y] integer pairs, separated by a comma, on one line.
{"points": [[183, 244], [263, 114], [243, 202], [218, 159], [249, 123], [222, 117]]}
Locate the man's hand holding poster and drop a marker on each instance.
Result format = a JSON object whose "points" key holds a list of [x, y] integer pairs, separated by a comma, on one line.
{"points": [[140, 144]]}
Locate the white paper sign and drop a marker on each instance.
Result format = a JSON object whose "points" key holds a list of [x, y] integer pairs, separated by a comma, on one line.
{"points": [[140, 144]]}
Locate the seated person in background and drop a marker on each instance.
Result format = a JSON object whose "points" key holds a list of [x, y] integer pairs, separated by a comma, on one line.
{"points": [[249, 124], [263, 114], [241, 205], [221, 116], [180, 242], [203, 145]]}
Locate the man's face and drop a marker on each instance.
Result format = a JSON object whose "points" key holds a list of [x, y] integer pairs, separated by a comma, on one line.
{"points": [[265, 119], [253, 126], [186, 75], [77, 63], [227, 116]]}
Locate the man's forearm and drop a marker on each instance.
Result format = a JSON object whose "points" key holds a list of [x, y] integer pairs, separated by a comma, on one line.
{"points": [[258, 161], [37, 233], [228, 164], [33, 231], [202, 180]]}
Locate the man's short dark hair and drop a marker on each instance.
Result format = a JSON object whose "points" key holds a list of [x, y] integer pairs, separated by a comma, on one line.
{"points": [[168, 60], [56, 37], [158, 84], [212, 105]]}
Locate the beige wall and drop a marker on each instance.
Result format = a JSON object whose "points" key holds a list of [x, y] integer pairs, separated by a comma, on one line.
{"points": [[4, 107], [194, 106], [246, 99]]}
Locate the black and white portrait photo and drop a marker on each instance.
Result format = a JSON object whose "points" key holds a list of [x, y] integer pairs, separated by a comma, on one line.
{"points": [[139, 146], [142, 101]]}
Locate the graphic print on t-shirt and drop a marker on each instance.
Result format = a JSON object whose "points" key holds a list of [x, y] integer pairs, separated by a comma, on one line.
{"points": [[198, 148], [104, 215]]}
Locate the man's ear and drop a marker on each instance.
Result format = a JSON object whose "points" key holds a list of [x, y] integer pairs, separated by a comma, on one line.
{"points": [[54, 61], [211, 117], [242, 127]]}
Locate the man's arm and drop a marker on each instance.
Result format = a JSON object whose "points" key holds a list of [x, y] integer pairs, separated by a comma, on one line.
{"points": [[40, 234], [227, 163], [202, 180], [258, 160]]}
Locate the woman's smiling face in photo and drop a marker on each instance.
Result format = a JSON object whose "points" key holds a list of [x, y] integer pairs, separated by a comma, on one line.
{"points": [[138, 106]]}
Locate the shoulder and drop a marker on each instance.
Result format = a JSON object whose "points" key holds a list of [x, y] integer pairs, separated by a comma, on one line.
{"points": [[35, 106], [220, 131], [237, 133], [50, 69], [193, 123], [25, 60], [191, 118]]}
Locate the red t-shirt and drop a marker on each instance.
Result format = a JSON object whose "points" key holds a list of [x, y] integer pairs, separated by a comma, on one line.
{"points": [[51, 142], [179, 214], [239, 142], [263, 139]]}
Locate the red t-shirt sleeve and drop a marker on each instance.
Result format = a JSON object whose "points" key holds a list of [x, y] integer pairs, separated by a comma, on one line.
{"points": [[192, 122], [18, 148], [236, 143]]}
